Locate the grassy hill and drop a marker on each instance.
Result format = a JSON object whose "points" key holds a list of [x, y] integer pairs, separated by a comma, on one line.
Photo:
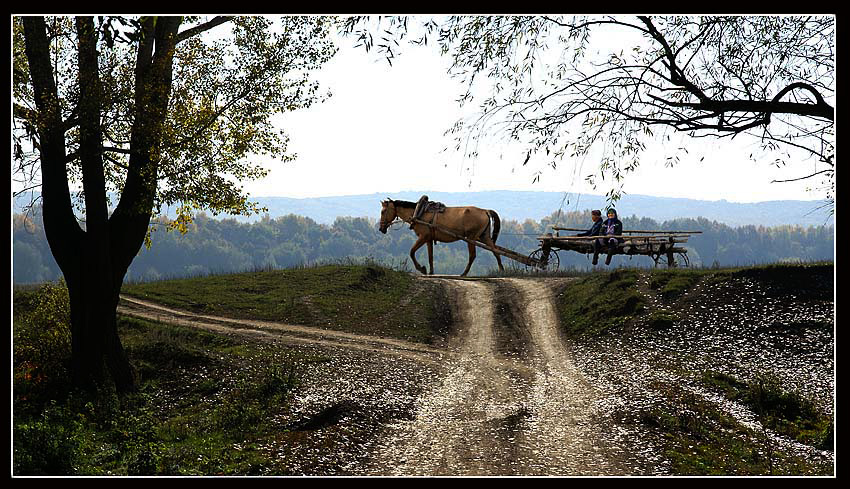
{"points": [[357, 298]]}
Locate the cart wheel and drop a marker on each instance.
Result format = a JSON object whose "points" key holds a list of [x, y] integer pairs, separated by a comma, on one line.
{"points": [[535, 255], [554, 260]]}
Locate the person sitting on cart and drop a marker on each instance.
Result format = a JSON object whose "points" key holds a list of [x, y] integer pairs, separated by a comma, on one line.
{"points": [[596, 229], [611, 227]]}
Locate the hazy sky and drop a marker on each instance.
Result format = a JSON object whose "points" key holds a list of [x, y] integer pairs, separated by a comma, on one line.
{"points": [[382, 131]]}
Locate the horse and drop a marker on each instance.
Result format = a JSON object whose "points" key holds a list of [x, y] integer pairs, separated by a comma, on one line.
{"points": [[467, 221]]}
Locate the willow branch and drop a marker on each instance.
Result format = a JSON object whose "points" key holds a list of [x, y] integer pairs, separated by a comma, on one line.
{"points": [[803, 178]]}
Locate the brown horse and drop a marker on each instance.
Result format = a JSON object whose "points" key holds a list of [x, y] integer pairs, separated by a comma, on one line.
{"points": [[467, 221]]}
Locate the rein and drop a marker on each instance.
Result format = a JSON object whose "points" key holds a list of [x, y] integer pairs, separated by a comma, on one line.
{"points": [[397, 220]]}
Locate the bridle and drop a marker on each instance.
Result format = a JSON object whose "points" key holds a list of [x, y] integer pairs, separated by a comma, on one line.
{"points": [[396, 219]]}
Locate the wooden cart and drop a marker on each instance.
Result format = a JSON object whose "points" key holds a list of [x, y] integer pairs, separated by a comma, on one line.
{"points": [[654, 244]]}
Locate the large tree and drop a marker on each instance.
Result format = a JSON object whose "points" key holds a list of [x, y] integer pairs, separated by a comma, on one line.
{"points": [[605, 86], [149, 112]]}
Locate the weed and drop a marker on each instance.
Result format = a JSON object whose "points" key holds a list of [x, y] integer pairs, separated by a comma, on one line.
{"points": [[42, 344], [47, 444], [699, 439], [785, 412]]}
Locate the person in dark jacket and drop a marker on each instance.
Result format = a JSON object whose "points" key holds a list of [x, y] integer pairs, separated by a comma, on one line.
{"points": [[611, 227], [596, 229]]}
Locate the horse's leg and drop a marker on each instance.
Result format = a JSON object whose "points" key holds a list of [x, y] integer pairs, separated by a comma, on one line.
{"points": [[418, 244], [471, 259], [431, 255], [489, 242]]}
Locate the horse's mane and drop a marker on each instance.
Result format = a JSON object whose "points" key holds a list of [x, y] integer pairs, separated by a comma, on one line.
{"points": [[404, 203]]}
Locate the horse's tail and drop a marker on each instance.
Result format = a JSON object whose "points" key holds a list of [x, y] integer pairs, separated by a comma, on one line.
{"points": [[497, 224]]}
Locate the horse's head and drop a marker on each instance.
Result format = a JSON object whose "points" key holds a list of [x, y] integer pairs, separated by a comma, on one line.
{"points": [[388, 215]]}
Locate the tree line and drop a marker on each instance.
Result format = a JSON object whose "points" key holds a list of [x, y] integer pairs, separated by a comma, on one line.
{"points": [[213, 246]]}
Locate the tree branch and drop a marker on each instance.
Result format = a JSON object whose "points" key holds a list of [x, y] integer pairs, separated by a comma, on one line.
{"points": [[756, 106], [594, 22], [115, 162], [194, 31], [25, 113], [117, 150], [677, 77], [803, 178], [63, 234]]}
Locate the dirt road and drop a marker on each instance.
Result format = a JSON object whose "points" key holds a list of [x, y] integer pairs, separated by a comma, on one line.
{"points": [[511, 402], [505, 396], [287, 333]]}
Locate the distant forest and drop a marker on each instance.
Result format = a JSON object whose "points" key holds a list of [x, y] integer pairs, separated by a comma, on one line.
{"points": [[215, 246]]}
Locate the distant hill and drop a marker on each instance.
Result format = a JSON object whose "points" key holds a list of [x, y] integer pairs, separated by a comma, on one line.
{"points": [[536, 205], [520, 206]]}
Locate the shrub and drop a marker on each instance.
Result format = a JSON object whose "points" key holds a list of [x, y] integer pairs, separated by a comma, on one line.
{"points": [[47, 445], [42, 344]]}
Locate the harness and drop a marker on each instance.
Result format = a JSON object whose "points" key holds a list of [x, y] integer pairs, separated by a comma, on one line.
{"points": [[423, 206]]}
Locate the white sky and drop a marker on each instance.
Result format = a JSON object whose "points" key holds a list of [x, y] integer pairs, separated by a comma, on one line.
{"points": [[382, 131]]}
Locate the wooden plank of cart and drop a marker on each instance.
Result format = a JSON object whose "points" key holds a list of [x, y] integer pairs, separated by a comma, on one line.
{"points": [[654, 244]]}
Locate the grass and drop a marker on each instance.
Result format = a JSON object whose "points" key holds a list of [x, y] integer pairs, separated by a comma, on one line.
{"points": [[700, 440], [779, 410], [697, 437], [365, 299], [805, 280], [597, 303], [673, 283], [511, 269], [205, 406]]}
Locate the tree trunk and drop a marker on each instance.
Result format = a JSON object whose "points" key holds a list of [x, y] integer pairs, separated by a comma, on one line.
{"points": [[96, 351]]}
